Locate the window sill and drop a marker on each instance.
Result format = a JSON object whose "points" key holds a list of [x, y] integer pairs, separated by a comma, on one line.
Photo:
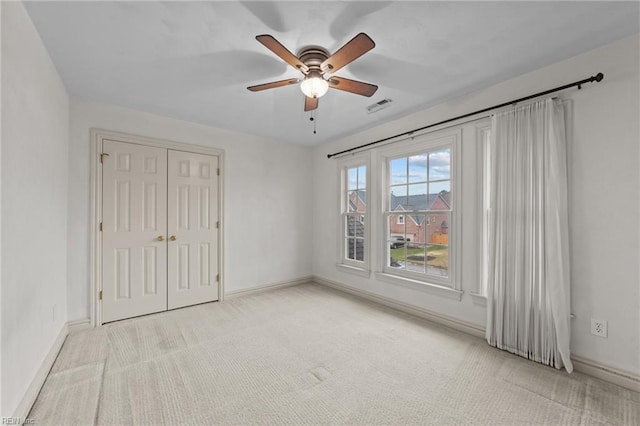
{"points": [[479, 299], [439, 290], [363, 272]]}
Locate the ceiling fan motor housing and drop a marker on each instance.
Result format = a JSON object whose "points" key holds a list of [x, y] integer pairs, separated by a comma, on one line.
{"points": [[313, 57]]}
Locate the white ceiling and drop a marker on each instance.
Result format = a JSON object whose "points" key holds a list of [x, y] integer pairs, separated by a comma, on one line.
{"points": [[194, 60]]}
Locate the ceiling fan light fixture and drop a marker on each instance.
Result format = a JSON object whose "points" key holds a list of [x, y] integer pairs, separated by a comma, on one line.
{"points": [[314, 86]]}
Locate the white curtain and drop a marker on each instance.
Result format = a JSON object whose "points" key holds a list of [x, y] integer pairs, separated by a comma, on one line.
{"points": [[528, 295]]}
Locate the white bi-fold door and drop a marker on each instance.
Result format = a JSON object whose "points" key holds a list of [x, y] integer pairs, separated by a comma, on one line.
{"points": [[159, 229]]}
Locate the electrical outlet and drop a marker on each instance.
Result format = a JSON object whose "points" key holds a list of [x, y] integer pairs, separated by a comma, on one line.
{"points": [[599, 327]]}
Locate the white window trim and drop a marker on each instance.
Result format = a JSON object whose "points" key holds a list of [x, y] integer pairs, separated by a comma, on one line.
{"points": [[479, 295], [452, 285], [427, 287], [360, 268], [398, 217]]}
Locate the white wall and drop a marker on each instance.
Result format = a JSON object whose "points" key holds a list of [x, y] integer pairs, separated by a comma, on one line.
{"points": [[268, 224], [604, 200], [1, 411], [35, 124]]}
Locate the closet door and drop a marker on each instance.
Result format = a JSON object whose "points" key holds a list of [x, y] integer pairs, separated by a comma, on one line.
{"points": [[134, 216], [192, 228]]}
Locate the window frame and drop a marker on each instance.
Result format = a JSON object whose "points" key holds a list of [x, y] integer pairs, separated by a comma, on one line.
{"points": [[362, 268], [451, 286]]}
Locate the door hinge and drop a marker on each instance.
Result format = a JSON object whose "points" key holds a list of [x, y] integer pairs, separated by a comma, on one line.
{"points": [[100, 295], [218, 172], [104, 154], [217, 225], [218, 278], [100, 226]]}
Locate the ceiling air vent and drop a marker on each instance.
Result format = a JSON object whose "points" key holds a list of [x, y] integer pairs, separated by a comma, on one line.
{"points": [[379, 105]]}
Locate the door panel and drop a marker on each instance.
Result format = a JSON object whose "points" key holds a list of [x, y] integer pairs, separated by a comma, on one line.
{"points": [[192, 217], [134, 267]]}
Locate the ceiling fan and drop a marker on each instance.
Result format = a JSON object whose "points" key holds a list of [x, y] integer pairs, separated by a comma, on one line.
{"points": [[314, 62]]}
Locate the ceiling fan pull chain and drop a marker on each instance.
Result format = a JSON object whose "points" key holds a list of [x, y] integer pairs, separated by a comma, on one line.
{"points": [[313, 118]]}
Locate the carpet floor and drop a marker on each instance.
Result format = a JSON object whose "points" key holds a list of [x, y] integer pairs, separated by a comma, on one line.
{"points": [[309, 355]]}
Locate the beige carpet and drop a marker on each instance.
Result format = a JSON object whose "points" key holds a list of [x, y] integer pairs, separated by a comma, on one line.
{"points": [[309, 355]]}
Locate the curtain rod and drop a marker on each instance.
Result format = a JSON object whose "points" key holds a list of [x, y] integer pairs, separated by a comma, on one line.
{"points": [[598, 78]]}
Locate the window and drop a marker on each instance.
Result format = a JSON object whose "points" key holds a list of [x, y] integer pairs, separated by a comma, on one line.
{"points": [[420, 215], [354, 223], [356, 204]]}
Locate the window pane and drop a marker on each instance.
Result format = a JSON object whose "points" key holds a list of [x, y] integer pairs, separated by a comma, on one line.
{"points": [[352, 178], [438, 260], [396, 225], [359, 244], [415, 229], [438, 229], [351, 228], [396, 241], [352, 201], [438, 248], [359, 226], [417, 199], [396, 257], [440, 198], [361, 201], [415, 258], [440, 164], [346, 248], [362, 177], [351, 248], [397, 197], [398, 171], [418, 168]]}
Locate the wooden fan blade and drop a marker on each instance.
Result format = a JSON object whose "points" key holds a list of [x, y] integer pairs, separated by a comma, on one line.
{"points": [[310, 103], [276, 47], [273, 85], [353, 86], [358, 46]]}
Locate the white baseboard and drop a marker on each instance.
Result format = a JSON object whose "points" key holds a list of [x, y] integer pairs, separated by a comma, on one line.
{"points": [[595, 369], [79, 325], [23, 409], [466, 327], [266, 287]]}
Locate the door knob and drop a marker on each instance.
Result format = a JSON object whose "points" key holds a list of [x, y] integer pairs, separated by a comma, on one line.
{"points": [[160, 238], [173, 238]]}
